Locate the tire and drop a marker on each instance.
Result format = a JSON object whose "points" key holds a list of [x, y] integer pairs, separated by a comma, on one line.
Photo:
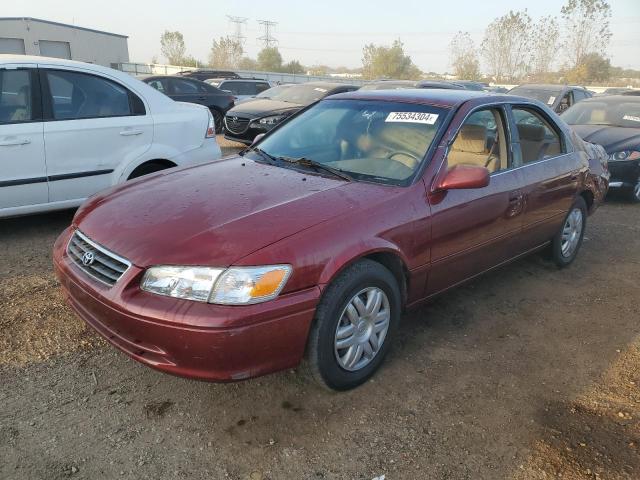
{"points": [[333, 366], [146, 169], [218, 121], [633, 193], [568, 240]]}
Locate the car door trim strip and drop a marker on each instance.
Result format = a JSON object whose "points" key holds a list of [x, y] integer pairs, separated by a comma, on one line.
{"points": [[53, 178]]}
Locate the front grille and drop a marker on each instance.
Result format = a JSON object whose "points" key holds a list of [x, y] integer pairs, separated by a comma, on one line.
{"points": [[96, 261], [235, 124]]}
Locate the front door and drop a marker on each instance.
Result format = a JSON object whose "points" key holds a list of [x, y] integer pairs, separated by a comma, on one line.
{"points": [[23, 173], [476, 229]]}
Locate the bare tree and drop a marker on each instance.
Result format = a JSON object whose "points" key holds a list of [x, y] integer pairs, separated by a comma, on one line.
{"points": [[545, 41], [506, 46], [587, 26], [464, 57], [172, 47], [226, 53]]}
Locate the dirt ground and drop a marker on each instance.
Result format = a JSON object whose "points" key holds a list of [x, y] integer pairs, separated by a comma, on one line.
{"points": [[526, 373]]}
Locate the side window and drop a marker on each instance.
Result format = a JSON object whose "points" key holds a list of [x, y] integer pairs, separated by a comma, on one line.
{"points": [[15, 96], [158, 85], [232, 87], [481, 141], [184, 87], [579, 95], [79, 95], [566, 102], [261, 87], [538, 140]]}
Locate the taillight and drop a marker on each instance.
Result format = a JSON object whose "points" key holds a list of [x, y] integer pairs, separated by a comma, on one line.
{"points": [[211, 127]]}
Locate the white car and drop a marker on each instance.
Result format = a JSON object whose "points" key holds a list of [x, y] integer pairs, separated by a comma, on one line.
{"points": [[69, 129]]}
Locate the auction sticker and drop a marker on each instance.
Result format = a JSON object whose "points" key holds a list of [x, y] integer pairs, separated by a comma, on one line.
{"points": [[412, 117], [551, 100], [632, 118]]}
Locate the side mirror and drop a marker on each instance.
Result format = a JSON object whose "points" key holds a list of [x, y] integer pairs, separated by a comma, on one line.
{"points": [[257, 138], [463, 177]]}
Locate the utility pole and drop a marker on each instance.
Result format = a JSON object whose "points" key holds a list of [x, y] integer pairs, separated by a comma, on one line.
{"points": [[238, 23], [267, 38]]}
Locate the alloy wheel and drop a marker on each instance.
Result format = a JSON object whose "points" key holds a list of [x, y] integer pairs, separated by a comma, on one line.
{"points": [[571, 232], [362, 329]]}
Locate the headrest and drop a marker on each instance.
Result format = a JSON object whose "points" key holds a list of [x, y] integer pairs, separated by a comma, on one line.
{"points": [[471, 139], [598, 116], [532, 133]]}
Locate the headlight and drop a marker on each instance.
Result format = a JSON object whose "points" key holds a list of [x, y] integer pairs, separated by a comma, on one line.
{"points": [[244, 285], [271, 121], [233, 286], [190, 283], [624, 155]]}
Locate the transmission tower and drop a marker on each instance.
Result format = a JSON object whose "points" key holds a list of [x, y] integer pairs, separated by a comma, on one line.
{"points": [[267, 38], [238, 23]]}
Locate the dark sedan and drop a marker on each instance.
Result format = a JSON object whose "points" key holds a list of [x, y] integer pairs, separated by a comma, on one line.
{"points": [[613, 122], [244, 122], [314, 240], [557, 97], [191, 90]]}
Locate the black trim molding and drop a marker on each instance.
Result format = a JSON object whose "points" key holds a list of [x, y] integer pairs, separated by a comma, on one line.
{"points": [[53, 178]]}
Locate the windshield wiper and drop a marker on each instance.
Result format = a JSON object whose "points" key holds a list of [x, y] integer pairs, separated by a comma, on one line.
{"points": [[259, 151], [307, 162]]}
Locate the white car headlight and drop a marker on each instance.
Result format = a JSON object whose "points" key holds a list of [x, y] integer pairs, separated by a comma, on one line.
{"points": [[624, 155], [190, 283], [233, 286], [271, 121]]}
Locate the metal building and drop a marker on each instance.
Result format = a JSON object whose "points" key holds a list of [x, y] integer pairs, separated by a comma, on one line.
{"points": [[32, 36]]}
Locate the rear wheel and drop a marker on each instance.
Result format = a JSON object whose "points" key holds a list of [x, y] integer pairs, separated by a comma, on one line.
{"points": [[354, 325], [568, 240], [217, 120], [147, 168]]}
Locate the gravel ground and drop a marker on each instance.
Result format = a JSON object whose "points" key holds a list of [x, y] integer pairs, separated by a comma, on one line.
{"points": [[527, 372]]}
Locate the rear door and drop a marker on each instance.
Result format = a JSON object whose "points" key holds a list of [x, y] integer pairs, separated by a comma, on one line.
{"points": [[551, 171], [185, 90], [23, 173], [95, 125], [474, 230]]}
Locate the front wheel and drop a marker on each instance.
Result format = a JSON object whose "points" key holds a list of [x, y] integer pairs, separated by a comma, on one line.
{"points": [[568, 240], [354, 325], [218, 121]]}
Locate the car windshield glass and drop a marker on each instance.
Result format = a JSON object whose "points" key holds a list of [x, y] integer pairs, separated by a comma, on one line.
{"points": [[615, 112], [377, 141], [270, 92], [545, 95], [300, 94]]}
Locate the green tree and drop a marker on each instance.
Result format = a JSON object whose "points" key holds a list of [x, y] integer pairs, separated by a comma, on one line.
{"points": [[388, 62], [294, 66], [172, 47], [225, 53], [464, 57], [592, 68], [247, 63], [506, 46], [586, 26], [270, 60]]}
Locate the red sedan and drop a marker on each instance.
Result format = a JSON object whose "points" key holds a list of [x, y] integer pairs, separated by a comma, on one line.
{"points": [[313, 241]]}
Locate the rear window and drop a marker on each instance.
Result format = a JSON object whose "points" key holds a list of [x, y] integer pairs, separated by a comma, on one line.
{"points": [[616, 113]]}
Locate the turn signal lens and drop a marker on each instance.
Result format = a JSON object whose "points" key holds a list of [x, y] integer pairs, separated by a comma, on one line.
{"points": [[246, 285]]}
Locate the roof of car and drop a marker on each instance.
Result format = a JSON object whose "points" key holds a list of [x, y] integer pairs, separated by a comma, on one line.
{"points": [[614, 99], [547, 86], [327, 85], [435, 96], [241, 79]]}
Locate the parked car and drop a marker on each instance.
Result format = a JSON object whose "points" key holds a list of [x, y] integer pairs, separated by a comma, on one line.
{"points": [[243, 88], [614, 123], [69, 129], [389, 85], [472, 85], [271, 92], [317, 237], [616, 91], [191, 90], [204, 74], [244, 122], [440, 84], [557, 97]]}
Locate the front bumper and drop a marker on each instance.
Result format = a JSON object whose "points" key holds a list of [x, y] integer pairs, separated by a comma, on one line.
{"points": [[624, 174], [189, 339]]}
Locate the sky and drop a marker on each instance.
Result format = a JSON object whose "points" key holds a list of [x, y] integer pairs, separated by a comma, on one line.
{"points": [[328, 32]]}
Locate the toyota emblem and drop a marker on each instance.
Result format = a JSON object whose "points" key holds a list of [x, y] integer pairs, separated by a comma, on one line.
{"points": [[87, 258]]}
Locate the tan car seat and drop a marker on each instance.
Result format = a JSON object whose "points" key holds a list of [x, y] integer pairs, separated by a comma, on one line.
{"points": [[470, 147]]}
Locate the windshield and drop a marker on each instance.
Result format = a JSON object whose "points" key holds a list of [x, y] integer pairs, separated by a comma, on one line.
{"points": [[616, 113], [545, 95], [270, 92], [300, 94], [376, 141]]}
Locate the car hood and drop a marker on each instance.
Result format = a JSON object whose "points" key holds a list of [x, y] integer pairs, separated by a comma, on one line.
{"points": [[613, 139], [212, 214], [263, 106]]}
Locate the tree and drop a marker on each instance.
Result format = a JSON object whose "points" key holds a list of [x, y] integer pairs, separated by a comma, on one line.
{"points": [[388, 62], [506, 46], [587, 28], [172, 47], [226, 53], [294, 66], [545, 41], [269, 59], [464, 57], [247, 63], [593, 67]]}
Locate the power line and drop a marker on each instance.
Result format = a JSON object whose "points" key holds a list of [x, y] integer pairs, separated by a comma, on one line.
{"points": [[267, 38], [238, 23]]}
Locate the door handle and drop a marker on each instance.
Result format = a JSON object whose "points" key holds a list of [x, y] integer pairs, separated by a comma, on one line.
{"points": [[129, 133], [202, 98], [8, 143]]}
